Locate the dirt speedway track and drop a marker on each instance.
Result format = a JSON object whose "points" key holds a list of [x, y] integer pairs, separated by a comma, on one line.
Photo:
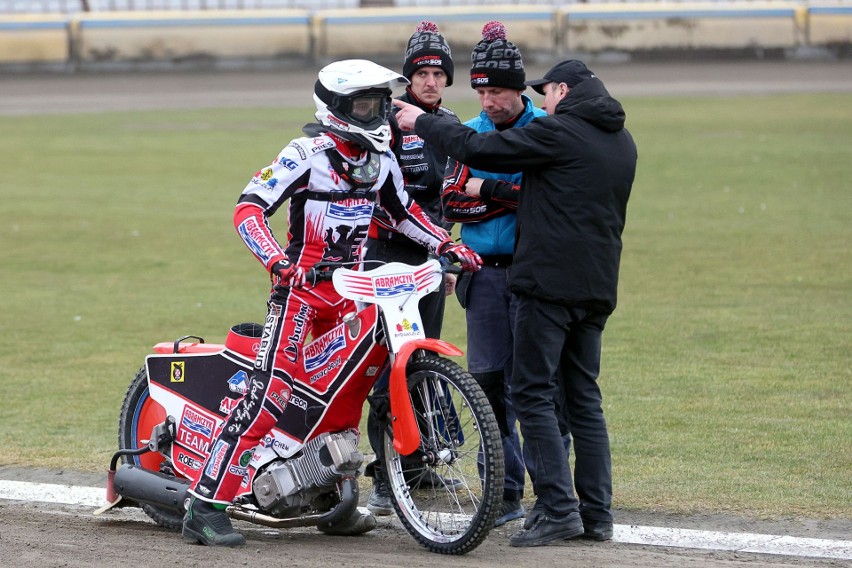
{"points": [[51, 535], [22, 94]]}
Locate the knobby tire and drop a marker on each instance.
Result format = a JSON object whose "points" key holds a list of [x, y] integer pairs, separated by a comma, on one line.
{"points": [[456, 422]]}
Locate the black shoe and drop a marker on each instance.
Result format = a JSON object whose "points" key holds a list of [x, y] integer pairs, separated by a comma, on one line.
{"points": [[357, 523], [380, 502], [427, 478], [597, 530], [532, 516], [546, 529], [208, 525], [509, 511]]}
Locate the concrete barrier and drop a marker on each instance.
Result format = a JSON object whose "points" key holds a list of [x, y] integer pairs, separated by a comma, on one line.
{"points": [[829, 24], [34, 38], [696, 26], [384, 32], [306, 36], [178, 36]]}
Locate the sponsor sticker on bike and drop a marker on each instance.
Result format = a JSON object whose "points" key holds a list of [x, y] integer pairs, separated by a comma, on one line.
{"points": [[195, 430], [189, 460], [394, 285], [237, 383], [178, 372]]}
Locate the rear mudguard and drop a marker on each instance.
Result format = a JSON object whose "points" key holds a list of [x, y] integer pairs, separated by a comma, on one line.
{"points": [[406, 434]]}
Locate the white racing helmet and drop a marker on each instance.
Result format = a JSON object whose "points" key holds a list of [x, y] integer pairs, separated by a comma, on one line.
{"points": [[353, 99]]}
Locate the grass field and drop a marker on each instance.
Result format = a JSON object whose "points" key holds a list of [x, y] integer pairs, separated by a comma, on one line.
{"points": [[726, 367]]}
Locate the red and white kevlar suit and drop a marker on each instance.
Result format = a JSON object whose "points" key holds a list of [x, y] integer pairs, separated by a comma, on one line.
{"points": [[328, 218]]}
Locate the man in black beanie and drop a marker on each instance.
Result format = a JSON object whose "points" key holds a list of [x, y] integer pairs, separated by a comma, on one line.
{"points": [[428, 64], [495, 61], [428, 48]]}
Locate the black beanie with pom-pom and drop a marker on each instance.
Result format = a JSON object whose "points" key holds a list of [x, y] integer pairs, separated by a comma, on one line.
{"points": [[427, 47], [495, 61]]}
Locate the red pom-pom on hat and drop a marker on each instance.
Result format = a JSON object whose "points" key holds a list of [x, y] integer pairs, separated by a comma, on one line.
{"points": [[493, 30], [426, 26]]}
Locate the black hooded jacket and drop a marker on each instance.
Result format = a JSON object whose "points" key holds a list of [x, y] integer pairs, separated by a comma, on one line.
{"points": [[578, 167]]}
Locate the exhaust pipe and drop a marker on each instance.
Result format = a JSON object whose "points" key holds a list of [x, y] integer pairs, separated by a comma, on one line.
{"points": [[344, 509], [154, 488]]}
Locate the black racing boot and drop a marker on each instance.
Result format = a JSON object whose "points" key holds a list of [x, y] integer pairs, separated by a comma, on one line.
{"points": [[380, 501], [206, 524]]}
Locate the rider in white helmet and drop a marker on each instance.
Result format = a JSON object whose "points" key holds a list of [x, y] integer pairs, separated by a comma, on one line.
{"points": [[353, 99], [330, 181]]}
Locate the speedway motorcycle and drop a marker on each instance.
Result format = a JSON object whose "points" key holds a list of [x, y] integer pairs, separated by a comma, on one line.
{"points": [[306, 471]]}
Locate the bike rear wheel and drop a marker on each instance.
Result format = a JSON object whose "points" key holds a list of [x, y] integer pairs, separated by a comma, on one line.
{"points": [[139, 414], [447, 493]]}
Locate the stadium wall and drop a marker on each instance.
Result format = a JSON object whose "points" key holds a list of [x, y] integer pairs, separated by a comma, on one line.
{"points": [[305, 37]]}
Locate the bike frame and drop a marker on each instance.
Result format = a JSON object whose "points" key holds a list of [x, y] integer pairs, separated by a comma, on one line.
{"points": [[199, 383]]}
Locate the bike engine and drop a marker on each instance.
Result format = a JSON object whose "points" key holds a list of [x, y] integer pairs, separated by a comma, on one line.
{"points": [[286, 488]]}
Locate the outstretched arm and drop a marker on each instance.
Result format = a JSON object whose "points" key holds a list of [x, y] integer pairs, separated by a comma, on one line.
{"points": [[506, 151]]}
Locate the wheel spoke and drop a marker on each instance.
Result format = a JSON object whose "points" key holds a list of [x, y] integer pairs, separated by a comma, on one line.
{"points": [[450, 499]]}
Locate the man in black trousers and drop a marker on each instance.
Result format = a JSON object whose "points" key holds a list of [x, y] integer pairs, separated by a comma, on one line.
{"points": [[578, 167]]}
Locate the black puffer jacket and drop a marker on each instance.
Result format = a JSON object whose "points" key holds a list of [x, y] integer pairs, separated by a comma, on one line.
{"points": [[578, 167]]}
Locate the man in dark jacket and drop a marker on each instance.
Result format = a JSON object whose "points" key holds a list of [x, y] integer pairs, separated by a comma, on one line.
{"points": [[428, 65], [579, 163]]}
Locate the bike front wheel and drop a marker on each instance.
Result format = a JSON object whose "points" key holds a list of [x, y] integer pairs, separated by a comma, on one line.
{"points": [[447, 493]]}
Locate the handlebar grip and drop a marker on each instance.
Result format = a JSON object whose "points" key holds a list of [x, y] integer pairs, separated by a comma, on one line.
{"points": [[321, 272], [448, 267], [311, 276]]}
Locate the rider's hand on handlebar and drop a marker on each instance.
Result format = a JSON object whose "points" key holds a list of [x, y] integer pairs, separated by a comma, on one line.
{"points": [[461, 253], [285, 273]]}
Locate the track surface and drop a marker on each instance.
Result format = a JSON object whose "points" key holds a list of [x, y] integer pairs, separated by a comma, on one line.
{"points": [[22, 94]]}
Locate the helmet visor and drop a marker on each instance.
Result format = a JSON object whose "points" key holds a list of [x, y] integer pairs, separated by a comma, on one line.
{"points": [[367, 107]]}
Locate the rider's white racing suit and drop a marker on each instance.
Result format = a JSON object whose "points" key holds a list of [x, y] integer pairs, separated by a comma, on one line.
{"points": [[328, 220]]}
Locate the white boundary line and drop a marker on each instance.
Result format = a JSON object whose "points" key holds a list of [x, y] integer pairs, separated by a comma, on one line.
{"points": [[628, 534], [53, 493], [737, 542]]}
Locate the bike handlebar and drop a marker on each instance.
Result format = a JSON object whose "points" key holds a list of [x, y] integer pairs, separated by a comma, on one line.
{"points": [[450, 268], [322, 271]]}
